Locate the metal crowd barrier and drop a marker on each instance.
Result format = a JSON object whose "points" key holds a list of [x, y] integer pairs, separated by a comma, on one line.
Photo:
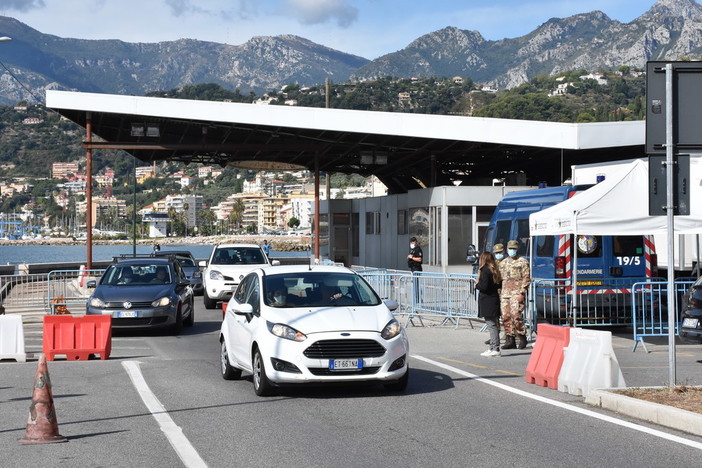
{"points": [[650, 303], [23, 292], [596, 303], [67, 290], [449, 297]]}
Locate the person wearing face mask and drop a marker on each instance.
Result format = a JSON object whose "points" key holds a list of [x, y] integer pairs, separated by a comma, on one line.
{"points": [[415, 256], [498, 251], [515, 283], [414, 263]]}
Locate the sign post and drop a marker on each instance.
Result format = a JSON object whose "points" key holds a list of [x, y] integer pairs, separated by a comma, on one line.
{"points": [[670, 225]]}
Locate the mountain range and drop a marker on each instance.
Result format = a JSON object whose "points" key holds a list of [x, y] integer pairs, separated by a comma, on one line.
{"points": [[669, 30]]}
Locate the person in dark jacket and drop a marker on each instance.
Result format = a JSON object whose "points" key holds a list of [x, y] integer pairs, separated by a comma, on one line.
{"points": [[489, 284]]}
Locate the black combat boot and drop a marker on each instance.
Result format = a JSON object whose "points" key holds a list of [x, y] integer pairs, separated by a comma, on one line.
{"points": [[521, 341], [509, 342]]}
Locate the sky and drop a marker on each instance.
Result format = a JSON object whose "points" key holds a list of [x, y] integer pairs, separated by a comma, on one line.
{"points": [[367, 28]]}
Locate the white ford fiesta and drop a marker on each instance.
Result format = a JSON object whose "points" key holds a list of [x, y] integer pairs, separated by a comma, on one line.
{"points": [[300, 324]]}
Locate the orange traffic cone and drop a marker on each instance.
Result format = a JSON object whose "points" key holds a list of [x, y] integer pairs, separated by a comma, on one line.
{"points": [[42, 426]]}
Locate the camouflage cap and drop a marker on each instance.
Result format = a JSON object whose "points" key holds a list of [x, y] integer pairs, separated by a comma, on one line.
{"points": [[513, 244], [498, 248]]}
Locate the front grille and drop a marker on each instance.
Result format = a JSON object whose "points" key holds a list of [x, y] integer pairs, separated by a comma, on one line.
{"points": [[326, 371], [135, 305], [340, 349]]}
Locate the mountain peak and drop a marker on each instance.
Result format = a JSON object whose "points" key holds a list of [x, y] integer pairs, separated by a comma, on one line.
{"points": [[677, 8]]}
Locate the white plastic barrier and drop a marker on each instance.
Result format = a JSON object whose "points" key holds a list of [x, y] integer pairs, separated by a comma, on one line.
{"points": [[12, 338], [589, 363]]}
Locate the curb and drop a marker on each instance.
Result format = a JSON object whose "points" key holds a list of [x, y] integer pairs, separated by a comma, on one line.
{"points": [[664, 415]]}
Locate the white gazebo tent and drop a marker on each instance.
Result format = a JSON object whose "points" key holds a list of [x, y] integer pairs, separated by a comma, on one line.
{"points": [[615, 206]]}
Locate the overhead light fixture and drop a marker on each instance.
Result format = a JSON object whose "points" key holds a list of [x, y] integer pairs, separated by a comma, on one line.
{"points": [[137, 130], [153, 130]]}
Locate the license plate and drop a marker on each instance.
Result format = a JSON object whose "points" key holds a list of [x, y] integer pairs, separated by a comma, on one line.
{"points": [[127, 314], [690, 323], [345, 364]]}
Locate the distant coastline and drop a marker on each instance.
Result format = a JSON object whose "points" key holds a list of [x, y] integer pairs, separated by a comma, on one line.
{"points": [[279, 243]]}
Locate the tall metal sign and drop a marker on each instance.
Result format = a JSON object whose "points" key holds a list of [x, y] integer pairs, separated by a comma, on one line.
{"points": [[673, 94]]}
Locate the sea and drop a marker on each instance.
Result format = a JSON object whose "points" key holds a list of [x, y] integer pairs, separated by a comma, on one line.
{"points": [[14, 255]]}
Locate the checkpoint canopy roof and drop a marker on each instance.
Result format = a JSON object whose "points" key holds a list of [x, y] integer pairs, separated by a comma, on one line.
{"points": [[404, 150], [618, 206]]}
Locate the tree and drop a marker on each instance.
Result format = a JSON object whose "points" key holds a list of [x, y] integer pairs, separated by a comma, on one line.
{"points": [[293, 222], [207, 222]]}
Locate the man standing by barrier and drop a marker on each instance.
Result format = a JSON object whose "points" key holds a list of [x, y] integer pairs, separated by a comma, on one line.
{"points": [[415, 258], [515, 283]]}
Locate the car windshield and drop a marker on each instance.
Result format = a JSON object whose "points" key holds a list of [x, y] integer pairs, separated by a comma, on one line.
{"points": [[237, 256], [142, 274], [317, 289]]}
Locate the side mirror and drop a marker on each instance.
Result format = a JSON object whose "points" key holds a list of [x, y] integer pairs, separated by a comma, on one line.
{"points": [[202, 264], [242, 309], [471, 255], [275, 262], [92, 284], [391, 304]]}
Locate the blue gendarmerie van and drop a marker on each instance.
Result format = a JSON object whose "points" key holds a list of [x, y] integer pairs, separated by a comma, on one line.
{"points": [[607, 266]]}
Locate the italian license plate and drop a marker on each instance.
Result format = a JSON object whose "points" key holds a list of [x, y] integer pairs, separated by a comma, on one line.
{"points": [[345, 364], [127, 314], [690, 322]]}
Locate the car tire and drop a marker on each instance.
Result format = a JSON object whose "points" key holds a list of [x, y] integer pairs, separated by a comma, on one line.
{"points": [[398, 385], [178, 326], [228, 372], [190, 321], [209, 303], [262, 386]]}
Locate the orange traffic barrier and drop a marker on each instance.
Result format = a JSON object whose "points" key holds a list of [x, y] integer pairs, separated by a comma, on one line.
{"points": [[42, 425], [547, 356], [77, 337], [224, 309]]}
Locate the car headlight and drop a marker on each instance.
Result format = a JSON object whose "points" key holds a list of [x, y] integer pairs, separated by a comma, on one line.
{"points": [[96, 302], [163, 302], [215, 275], [391, 330], [197, 274], [285, 332]]}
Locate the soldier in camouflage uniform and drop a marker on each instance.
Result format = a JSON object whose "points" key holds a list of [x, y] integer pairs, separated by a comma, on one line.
{"points": [[515, 282], [498, 250]]}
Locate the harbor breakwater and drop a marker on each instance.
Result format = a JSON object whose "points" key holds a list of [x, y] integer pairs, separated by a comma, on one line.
{"points": [[278, 243]]}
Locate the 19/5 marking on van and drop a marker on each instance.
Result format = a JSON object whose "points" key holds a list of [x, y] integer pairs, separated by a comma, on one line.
{"points": [[627, 261]]}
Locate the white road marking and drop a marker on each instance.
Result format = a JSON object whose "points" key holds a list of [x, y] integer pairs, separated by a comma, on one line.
{"points": [[174, 433], [566, 406]]}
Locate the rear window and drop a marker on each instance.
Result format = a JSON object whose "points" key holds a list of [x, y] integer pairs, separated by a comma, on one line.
{"points": [[627, 246]]}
